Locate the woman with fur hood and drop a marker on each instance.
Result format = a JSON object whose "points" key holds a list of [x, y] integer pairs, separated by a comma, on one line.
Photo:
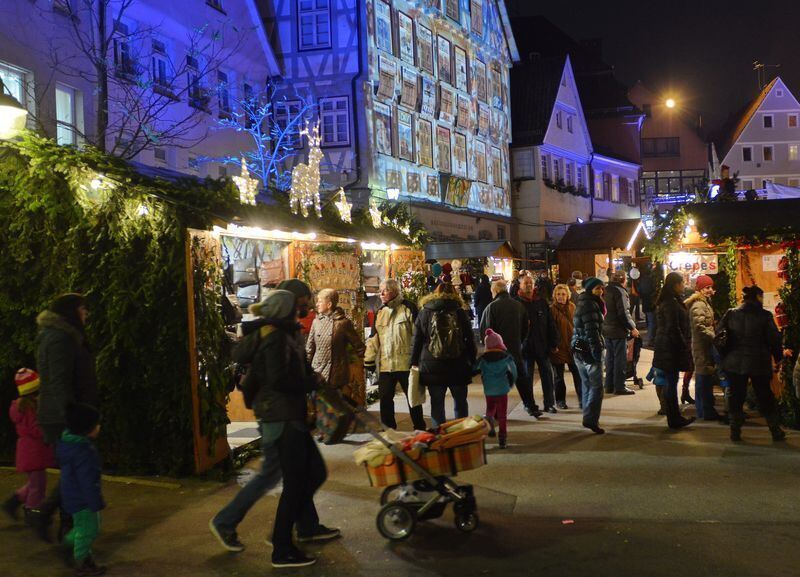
{"points": [[444, 350]]}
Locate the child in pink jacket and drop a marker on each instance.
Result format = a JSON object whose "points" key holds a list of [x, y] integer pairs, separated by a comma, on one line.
{"points": [[33, 455]]}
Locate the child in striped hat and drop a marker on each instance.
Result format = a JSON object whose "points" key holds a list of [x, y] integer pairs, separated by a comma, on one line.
{"points": [[33, 455]]}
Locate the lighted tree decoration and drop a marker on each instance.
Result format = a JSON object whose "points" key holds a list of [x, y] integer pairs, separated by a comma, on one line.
{"points": [[305, 177], [248, 187], [375, 213], [344, 207]]}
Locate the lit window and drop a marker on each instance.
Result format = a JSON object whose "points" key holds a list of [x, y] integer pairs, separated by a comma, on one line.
{"points": [[767, 121], [614, 188], [579, 175], [13, 80], [124, 59], [285, 112], [631, 192], [792, 121], [794, 182], [568, 172], [747, 154], [314, 24], [545, 167], [793, 152], [767, 153], [335, 120], [556, 169], [66, 116], [598, 186]]}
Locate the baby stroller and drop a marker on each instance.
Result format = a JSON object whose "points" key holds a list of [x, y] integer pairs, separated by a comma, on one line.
{"points": [[417, 481], [634, 351]]}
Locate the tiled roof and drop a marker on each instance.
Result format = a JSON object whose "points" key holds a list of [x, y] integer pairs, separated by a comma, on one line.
{"points": [[599, 235], [534, 88], [730, 132]]}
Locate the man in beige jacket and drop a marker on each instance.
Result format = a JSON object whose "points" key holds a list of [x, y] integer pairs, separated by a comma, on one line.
{"points": [[389, 351]]}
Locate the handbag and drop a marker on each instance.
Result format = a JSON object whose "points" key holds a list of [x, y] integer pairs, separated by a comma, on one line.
{"points": [[581, 351], [244, 272], [272, 272], [416, 392]]}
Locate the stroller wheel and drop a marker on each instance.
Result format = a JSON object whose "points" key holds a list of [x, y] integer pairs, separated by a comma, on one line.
{"points": [[466, 522], [389, 494], [396, 521]]}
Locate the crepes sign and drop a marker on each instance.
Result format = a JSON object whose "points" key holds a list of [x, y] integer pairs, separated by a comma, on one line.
{"points": [[693, 263]]}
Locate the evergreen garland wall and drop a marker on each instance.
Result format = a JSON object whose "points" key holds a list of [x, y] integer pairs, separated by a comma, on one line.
{"points": [[125, 250]]}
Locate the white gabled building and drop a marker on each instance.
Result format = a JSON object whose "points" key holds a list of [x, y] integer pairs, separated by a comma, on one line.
{"points": [[558, 176], [762, 142]]}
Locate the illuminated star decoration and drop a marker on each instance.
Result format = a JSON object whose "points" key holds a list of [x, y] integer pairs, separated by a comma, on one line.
{"points": [[343, 206], [248, 187], [375, 213], [305, 177]]}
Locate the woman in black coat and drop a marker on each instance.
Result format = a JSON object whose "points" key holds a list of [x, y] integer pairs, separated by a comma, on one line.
{"points": [[753, 341], [482, 296], [446, 360], [672, 344]]}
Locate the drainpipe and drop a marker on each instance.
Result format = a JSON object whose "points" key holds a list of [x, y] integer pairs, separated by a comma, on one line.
{"points": [[353, 89]]}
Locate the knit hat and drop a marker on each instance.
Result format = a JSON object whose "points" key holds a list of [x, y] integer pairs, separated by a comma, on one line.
{"points": [[27, 381], [81, 418], [296, 287], [494, 341], [436, 269], [590, 282], [277, 304], [703, 281]]}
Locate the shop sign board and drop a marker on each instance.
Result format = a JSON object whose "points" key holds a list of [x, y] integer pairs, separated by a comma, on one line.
{"points": [[693, 263]]}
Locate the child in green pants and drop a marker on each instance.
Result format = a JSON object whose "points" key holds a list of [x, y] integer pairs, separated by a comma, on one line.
{"points": [[81, 496]]}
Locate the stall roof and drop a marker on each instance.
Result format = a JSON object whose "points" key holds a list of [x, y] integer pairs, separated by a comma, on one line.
{"points": [[602, 235], [755, 218], [469, 249]]}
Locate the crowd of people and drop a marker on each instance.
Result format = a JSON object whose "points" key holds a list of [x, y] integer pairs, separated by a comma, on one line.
{"points": [[577, 327]]}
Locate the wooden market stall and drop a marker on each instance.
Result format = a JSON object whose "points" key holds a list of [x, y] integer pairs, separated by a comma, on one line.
{"points": [[593, 247]]}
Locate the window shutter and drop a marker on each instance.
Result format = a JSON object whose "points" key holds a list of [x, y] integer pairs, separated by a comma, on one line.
{"points": [[623, 190]]}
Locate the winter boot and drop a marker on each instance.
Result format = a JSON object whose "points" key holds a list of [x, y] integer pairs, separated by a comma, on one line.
{"points": [[660, 394], [774, 423], [686, 398], [736, 420], [88, 568], [11, 506]]}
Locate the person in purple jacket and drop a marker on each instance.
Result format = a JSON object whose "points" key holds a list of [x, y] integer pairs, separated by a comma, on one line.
{"points": [[81, 495]]}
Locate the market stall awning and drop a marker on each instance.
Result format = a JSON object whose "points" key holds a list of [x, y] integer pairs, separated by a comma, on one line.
{"points": [[756, 218], [603, 235], [469, 249]]}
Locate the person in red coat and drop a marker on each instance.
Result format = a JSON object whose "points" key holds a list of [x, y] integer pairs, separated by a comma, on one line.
{"points": [[33, 454]]}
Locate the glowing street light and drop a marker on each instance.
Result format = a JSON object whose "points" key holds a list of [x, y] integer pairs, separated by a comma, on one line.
{"points": [[670, 103], [12, 115]]}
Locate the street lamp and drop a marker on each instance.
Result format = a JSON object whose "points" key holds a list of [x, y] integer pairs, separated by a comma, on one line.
{"points": [[12, 115], [670, 103]]}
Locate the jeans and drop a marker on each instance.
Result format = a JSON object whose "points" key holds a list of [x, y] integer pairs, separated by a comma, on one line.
{"points": [[387, 383], [592, 394], [704, 397], [670, 396], [497, 408], [651, 327], [737, 391], [265, 480], [438, 393], [616, 361], [303, 473], [546, 376], [561, 385], [525, 385]]}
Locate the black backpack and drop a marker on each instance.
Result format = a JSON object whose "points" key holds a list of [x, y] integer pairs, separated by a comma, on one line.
{"points": [[447, 340]]}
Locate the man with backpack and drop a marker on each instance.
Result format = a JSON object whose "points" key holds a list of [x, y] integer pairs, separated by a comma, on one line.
{"points": [[444, 350], [278, 314]]}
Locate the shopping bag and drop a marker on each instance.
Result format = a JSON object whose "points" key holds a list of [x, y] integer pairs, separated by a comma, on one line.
{"points": [[629, 353], [416, 392], [333, 417]]}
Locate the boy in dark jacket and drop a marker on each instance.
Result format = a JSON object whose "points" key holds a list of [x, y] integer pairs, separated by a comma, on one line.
{"points": [[81, 496]]}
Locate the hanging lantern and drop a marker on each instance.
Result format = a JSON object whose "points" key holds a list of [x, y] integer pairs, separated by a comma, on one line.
{"points": [[248, 187], [375, 213], [304, 192], [344, 207]]}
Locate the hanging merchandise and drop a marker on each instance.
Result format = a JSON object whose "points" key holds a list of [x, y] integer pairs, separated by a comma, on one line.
{"points": [[305, 177], [344, 207], [248, 187]]}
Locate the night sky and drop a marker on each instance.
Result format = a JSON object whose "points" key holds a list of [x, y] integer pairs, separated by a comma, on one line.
{"points": [[700, 51]]}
